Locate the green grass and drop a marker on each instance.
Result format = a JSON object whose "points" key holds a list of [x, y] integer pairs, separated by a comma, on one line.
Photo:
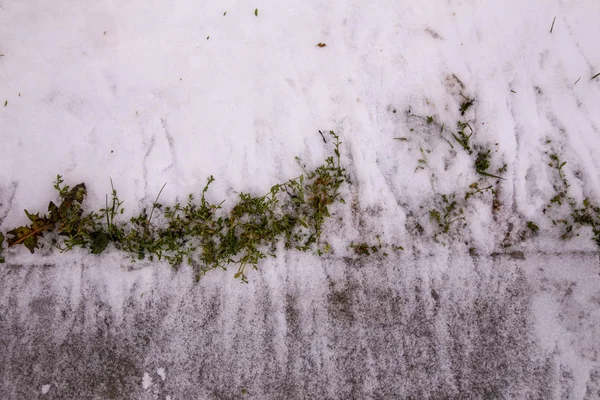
{"points": [[292, 214], [566, 213], [446, 213], [198, 233]]}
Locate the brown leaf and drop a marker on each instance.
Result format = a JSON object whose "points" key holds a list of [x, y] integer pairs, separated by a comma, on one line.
{"points": [[28, 235], [321, 45]]}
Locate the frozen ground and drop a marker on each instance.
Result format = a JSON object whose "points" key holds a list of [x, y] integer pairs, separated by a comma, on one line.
{"points": [[148, 92]]}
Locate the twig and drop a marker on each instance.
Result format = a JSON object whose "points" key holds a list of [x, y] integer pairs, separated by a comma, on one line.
{"points": [[323, 136]]}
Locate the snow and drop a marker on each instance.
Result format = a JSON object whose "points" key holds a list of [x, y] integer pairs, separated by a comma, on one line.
{"points": [[146, 381], [136, 92], [161, 372]]}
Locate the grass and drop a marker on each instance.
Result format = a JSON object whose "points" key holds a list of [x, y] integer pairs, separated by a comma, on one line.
{"points": [[461, 137], [292, 214], [466, 105], [365, 249], [564, 211], [198, 233], [442, 216]]}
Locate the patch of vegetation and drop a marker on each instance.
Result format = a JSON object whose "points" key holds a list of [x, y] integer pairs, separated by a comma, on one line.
{"points": [[475, 189], [198, 232], [532, 226], [447, 211], [466, 105], [565, 212], [461, 137], [366, 249], [482, 164], [422, 161]]}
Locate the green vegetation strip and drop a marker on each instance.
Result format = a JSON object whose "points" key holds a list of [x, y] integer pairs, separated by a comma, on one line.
{"points": [[199, 233]]}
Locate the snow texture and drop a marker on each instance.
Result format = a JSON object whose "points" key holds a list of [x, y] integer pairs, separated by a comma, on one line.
{"points": [[146, 381], [148, 92], [161, 372]]}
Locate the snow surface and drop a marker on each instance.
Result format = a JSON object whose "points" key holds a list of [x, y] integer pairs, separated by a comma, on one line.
{"points": [[45, 389], [148, 92], [161, 372], [146, 381]]}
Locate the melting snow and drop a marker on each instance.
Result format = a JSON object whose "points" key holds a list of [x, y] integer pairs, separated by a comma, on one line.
{"points": [[161, 372], [146, 381]]}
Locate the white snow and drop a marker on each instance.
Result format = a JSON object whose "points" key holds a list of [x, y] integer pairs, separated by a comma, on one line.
{"points": [[136, 92], [146, 381], [161, 372]]}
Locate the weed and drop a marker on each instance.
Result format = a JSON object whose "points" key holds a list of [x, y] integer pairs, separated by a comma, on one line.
{"points": [[566, 213], [482, 163], [447, 211], [466, 105], [532, 226], [365, 249], [422, 161], [477, 190], [463, 138], [198, 233], [556, 163]]}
